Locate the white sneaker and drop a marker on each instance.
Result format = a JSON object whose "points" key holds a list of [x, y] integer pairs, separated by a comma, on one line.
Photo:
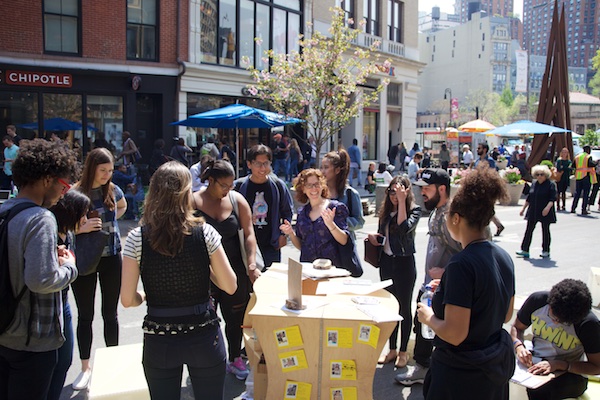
{"points": [[414, 375], [82, 381]]}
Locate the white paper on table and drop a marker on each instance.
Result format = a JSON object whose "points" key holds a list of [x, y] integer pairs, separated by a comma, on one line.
{"points": [[338, 286], [529, 380], [379, 314]]}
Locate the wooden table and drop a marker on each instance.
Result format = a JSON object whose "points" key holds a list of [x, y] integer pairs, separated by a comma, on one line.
{"points": [[330, 342]]}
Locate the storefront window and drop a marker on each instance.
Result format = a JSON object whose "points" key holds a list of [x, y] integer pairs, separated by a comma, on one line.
{"points": [[247, 30], [67, 106], [227, 32], [263, 24], [19, 108], [105, 114], [370, 129], [208, 41], [61, 20]]}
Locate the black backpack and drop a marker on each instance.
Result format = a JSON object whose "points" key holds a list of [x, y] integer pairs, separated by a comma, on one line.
{"points": [[8, 301]]}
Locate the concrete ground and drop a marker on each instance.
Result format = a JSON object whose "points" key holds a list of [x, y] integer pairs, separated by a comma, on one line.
{"points": [[572, 255]]}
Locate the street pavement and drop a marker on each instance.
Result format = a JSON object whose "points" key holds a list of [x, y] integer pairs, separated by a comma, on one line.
{"points": [[572, 255]]}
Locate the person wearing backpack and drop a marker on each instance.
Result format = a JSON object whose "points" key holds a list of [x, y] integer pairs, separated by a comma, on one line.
{"points": [[37, 267]]}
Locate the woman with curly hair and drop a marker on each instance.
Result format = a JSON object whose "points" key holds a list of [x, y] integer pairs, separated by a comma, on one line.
{"points": [[566, 308], [108, 205], [398, 219], [473, 353], [335, 167], [321, 226], [177, 256]]}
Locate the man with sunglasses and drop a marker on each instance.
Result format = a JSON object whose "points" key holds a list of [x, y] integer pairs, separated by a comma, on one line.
{"points": [[270, 201], [566, 339], [435, 188], [38, 268]]}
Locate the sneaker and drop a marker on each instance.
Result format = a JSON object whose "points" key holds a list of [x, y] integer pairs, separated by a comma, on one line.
{"points": [[522, 253], [414, 375], [82, 381], [545, 254], [238, 368]]}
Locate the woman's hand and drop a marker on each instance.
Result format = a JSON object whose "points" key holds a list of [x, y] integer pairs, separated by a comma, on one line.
{"points": [[545, 211], [373, 238], [91, 225], [328, 214], [253, 274], [401, 193], [522, 212], [424, 313], [542, 368], [286, 228], [524, 355]]}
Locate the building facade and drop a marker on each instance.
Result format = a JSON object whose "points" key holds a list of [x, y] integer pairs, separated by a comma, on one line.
{"points": [[495, 8], [110, 65]]}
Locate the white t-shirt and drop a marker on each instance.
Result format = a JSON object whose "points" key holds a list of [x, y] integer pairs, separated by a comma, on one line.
{"points": [[382, 178], [468, 157], [133, 243]]}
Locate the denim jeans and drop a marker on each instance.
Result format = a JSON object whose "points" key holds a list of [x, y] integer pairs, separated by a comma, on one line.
{"points": [[65, 357]]}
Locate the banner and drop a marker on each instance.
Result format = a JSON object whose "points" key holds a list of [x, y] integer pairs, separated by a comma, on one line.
{"points": [[522, 71], [454, 109]]}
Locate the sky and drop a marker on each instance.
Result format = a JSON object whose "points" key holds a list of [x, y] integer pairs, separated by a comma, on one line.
{"points": [[448, 6]]}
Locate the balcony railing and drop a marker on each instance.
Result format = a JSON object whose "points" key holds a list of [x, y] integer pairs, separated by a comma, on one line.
{"points": [[385, 46]]}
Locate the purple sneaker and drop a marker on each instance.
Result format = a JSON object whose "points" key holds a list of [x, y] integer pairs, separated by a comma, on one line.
{"points": [[238, 368]]}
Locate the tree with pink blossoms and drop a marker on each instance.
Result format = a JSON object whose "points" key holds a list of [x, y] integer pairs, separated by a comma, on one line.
{"points": [[321, 83]]}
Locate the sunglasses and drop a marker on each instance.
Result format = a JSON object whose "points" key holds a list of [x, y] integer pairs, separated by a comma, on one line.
{"points": [[391, 192], [66, 186]]}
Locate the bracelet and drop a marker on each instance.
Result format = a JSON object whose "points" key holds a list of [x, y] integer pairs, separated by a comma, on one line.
{"points": [[520, 344], [252, 265], [517, 341]]}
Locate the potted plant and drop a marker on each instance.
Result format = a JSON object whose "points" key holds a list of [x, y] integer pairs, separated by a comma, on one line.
{"points": [[501, 162], [515, 184], [455, 182]]}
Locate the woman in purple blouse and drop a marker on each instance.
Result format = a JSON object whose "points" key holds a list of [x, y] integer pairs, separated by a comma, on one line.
{"points": [[321, 227]]}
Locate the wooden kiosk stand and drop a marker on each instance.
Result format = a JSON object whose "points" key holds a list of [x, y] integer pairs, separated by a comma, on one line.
{"points": [[327, 351]]}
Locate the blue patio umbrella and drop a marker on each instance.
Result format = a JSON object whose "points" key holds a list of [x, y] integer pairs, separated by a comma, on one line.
{"points": [[237, 116], [56, 124], [525, 127]]}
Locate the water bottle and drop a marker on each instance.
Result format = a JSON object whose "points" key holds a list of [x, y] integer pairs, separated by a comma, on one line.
{"points": [[426, 297]]}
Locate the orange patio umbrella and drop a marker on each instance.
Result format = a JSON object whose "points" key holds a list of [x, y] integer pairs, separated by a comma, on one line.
{"points": [[477, 125]]}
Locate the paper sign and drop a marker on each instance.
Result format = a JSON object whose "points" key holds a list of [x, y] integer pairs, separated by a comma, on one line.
{"points": [[343, 393], [368, 334], [343, 369], [297, 390], [293, 360], [339, 337], [288, 337]]}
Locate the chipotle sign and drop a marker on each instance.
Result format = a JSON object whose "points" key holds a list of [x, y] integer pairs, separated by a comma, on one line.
{"points": [[46, 79]]}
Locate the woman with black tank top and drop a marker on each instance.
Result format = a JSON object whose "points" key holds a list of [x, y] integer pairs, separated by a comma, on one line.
{"points": [[216, 204], [177, 255]]}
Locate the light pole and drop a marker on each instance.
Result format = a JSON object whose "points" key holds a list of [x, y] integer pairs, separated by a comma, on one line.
{"points": [[448, 95]]}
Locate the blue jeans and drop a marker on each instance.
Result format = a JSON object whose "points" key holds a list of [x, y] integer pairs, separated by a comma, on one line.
{"points": [[279, 167], [65, 357], [354, 170]]}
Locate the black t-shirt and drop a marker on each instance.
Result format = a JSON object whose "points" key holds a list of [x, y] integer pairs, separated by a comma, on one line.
{"points": [[259, 197], [281, 150], [481, 278], [553, 340]]}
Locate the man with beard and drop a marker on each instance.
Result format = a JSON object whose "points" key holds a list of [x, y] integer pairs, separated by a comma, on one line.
{"points": [[482, 151], [435, 188]]}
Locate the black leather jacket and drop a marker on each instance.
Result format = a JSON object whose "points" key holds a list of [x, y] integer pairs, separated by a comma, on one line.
{"points": [[401, 237]]}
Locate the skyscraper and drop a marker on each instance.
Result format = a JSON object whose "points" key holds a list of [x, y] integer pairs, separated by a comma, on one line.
{"points": [[493, 8]]}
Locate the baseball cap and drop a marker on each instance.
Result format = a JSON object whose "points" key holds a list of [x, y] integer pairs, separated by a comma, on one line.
{"points": [[433, 176]]}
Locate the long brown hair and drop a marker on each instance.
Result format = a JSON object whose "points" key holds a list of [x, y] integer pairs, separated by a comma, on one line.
{"points": [[339, 159], [94, 158], [388, 207], [168, 211]]}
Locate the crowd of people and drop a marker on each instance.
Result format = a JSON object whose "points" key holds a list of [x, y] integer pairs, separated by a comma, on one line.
{"points": [[204, 239]]}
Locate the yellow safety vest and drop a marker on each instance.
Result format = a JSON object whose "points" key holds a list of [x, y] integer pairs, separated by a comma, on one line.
{"points": [[582, 169]]}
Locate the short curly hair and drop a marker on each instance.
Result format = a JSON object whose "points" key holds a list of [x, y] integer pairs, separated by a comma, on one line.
{"points": [[477, 195], [301, 181], [570, 301], [38, 159]]}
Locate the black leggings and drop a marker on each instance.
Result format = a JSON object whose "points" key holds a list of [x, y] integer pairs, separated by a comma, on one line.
{"points": [[403, 273], [562, 387], [529, 235], [233, 308], [84, 290]]}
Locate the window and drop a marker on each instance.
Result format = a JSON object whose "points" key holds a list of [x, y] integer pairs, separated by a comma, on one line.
{"points": [[395, 16], [393, 94], [105, 113], [141, 30], [371, 15], [61, 26], [348, 7], [370, 130]]}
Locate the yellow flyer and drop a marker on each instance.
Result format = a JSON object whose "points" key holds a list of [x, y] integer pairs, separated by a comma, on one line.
{"points": [[368, 334], [288, 337], [343, 393], [339, 337], [343, 370], [297, 390], [293, 360]]}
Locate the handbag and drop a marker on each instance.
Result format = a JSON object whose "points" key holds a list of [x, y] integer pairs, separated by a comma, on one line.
{"points": [[372, 253], [260, 262], [88, 250], [349, 257]]}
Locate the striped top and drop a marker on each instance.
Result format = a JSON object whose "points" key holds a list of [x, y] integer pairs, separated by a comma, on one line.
{"points": [[133, 243]]}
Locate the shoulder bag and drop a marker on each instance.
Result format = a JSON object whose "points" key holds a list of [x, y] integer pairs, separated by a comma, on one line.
{"points": [[372, 253], [88, 250], [260, 263]]}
